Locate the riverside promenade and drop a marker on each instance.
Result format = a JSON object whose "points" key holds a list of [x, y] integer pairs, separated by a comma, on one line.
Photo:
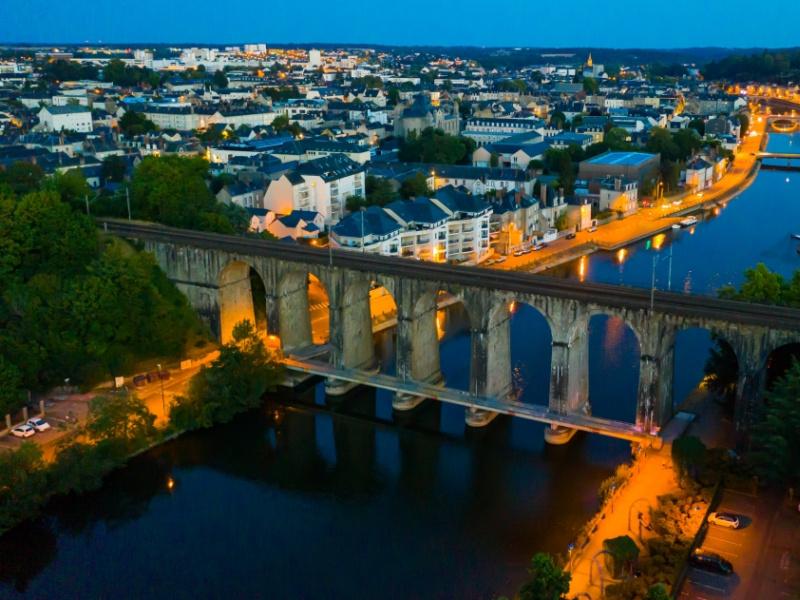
{"points": [[648, 222]]}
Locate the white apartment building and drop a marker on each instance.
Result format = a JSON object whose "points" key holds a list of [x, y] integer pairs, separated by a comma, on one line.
{"points": [[70, 117], [322, 185]]}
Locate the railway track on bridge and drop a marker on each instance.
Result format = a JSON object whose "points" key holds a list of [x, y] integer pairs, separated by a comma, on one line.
{"points": [[511, 281]]}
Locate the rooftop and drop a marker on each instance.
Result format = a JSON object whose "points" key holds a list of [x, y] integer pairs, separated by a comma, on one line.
{"points": [[621, 158]]}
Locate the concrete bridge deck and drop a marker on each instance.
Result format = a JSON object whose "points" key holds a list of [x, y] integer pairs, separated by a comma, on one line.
{"points": [[532, 412]]}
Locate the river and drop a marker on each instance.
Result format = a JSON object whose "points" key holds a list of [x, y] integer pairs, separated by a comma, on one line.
{"points": [[308, 498]]}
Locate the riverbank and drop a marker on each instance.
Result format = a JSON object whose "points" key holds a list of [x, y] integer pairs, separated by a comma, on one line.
{"points": [[651, 475], [648, 222]]}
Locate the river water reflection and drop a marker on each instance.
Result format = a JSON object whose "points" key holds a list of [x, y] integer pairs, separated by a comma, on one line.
{"points": [[308, 498]]}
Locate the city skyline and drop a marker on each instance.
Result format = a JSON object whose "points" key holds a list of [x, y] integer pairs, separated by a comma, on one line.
{"points": [[628, 25]]}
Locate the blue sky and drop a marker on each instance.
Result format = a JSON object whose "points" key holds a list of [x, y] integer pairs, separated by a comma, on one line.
{"points": [[584, 23]]}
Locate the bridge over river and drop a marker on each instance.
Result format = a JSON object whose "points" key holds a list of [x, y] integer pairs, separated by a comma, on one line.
{"points": [[219, 273]]}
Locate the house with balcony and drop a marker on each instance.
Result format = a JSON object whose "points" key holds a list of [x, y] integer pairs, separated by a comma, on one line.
{"points": [[467, 225], [424, 223], [371, 230], [322, 185]]}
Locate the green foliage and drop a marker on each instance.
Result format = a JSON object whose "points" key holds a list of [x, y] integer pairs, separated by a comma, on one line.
{"points": [[113, 169], [80, 467], [67, 70], [767, 66], [547, 580], [616, 138], [435, 146], [514, 85], [688, 455], [776, 437], [623, 553], [123, 417], [124, 75], [379, 190], [558, 161], [590, 85], [699, 126], [22, 484], [494, 160], [12, 394], [354, 203], [676, 147], [282, 124], [281, 94], [233, 383], [416, 185], [135, 123], [21, 178], [71, 187], [393, 95], [562, 222], [558, 119], [744, 122], [657, 592], [765, 287], [219, 80], [172, 190], [71, 306]]}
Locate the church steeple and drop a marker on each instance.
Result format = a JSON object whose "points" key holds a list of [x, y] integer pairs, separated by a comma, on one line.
{"points": [[589, 60]]}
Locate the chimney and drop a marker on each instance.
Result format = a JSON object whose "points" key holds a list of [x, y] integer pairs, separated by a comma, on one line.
{"points": [[543, 194]]}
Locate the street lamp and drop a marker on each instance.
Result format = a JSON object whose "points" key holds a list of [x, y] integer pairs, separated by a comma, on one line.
{"points": [[161, 381], [362, 210]]}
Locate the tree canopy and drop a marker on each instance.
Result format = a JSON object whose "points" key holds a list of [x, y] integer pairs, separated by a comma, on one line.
{"points": [[172, 190], [547, 580], [74, 304], [135, 123], [435, 146], [776, 437]]}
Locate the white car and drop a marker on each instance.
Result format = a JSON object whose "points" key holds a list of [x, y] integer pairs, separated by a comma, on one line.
{"points": [[39, 424], [724, 520], [23, 431]]}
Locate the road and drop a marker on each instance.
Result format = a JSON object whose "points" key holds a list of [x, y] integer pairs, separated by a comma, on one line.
{"points": [[765, 552], [58, 408]]}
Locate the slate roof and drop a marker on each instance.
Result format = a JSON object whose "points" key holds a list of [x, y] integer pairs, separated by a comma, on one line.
{"points": [[375, 222]]}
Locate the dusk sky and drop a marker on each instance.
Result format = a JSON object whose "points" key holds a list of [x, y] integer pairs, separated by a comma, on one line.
{"points": [[585, 23]]}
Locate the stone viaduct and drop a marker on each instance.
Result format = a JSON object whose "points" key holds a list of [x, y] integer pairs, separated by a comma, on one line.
{"points": [[214, 272]]}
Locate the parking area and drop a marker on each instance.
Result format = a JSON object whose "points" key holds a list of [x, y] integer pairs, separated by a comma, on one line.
{"points": [[764, 552], [63, 413]]}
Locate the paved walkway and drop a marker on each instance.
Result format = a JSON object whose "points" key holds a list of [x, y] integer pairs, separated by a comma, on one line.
{"points": [[653, 476]]}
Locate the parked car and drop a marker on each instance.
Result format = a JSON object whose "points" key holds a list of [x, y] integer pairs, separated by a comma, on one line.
{"points": [[724, 519], [163, 375], [152, 376], [592, 229], [23, 431], [519, 253], [500, 260], [39, 424], [572, 235], [709, 561], [139, 380], [538, 247]]}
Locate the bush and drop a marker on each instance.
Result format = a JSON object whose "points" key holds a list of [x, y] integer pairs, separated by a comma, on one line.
{"points": [[234, 382], [81, 467], [23, 484]]}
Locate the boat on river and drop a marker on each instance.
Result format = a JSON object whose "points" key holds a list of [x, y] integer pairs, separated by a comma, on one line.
{"points": [[689, 221]]}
